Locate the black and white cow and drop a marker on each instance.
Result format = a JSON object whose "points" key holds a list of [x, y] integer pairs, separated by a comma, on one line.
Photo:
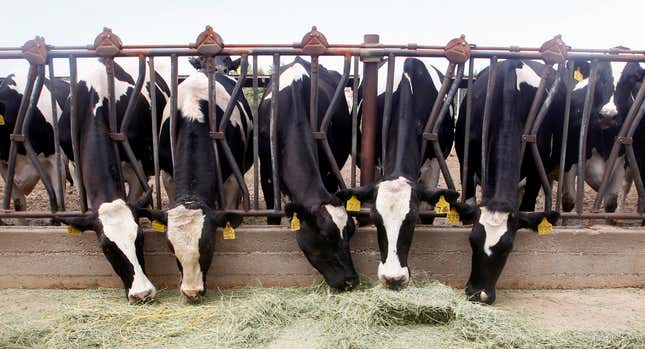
{"points": [[114, 220], [604, 125], [397, 196], [193, 217], [40, 131], [304, 172]]}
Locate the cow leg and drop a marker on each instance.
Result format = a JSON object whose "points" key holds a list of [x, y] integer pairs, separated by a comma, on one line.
{"points": [[232, 193], [24, 181], [429, 178], [569, 189], [531, 192], [169, 185], [135, 190], [616, 187], [626, 187]]}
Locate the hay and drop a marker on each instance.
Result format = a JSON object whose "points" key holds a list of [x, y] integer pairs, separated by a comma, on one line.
{"points": [[422, 315]]}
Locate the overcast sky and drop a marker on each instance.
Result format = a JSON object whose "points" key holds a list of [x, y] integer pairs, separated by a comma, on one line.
{"points": [[583, 24]]}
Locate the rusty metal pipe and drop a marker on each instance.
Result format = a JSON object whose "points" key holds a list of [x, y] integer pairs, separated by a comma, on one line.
{"points": [[565, 132], [313, 96], [75, 135], [535, 104], [212, 126], [112, 118], [256, 144], [273, 131], [173, 111], [60, 185], [582, 147], [368, 117], [338, 93], [469, 111], [486, 118], [355, 88], [155, 130], [387, 109]]}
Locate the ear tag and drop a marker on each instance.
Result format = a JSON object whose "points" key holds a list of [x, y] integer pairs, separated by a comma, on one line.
{"points": [[453, 217], [442, 206], [353, 204], [158, 226], [1, 120], [73, 231], [228, 232], [545, 227], [577, 75], [295, 222]]}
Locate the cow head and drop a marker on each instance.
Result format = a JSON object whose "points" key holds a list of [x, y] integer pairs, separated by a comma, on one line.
{"points": [[491, 241], [323, 237], [121, 240], [223, 63], [395, 213], [628, 86], [190, 233]]}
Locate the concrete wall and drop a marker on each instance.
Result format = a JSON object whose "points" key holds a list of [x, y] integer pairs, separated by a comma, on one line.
{"points": [[34, 257]]}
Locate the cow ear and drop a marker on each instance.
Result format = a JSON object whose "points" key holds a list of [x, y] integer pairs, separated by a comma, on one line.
{"points": [[196, 62], [467, 213], [582, 67], [432, 196], [302, 211], [152, 214], [364, 194], [83, 223], [532, 220], [234, 64], [220, 218]]}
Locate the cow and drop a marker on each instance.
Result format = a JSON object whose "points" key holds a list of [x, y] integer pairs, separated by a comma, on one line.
{"points": [[111, 216], [193, 216], [40, 132], [396, 197], [604, 125], [304, 171]]}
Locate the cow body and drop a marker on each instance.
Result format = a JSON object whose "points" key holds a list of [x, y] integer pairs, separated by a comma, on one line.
{"points": [[397, 195], [303, 170]]}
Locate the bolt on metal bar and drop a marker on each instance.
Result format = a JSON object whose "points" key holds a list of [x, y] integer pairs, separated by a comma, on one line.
{"points": [[112, 118], [75, 134], [60, 177], [387, 109], [273, 131], [354, 122], [13, 148], [568, 82], [173, 112], [584, 128], [212, 126], [256, 160], [488, 104], [155, 129], [469, 111]]}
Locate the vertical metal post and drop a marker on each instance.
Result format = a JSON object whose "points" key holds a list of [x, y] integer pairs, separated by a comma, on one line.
{"points": [[155, 129], [582, 146], [212, 122], [73, 120], [486, 119], [387, 109], [273, 131], [368, 117], [256, 113], [568, 83], [469, 111], [60, 183], [313, 96], [354, 121], [109, 66], [173, 111]]}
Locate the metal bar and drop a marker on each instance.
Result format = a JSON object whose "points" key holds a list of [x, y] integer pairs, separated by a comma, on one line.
{"points": [[636, 174], [565, 132], [173, 111], [469, 111], [256, 160], [582, 147], [387, 109], [313, 97], [212, 126], [17, 130], [112, 118], [60, 185], [486, 118], [368, 117], [338, 94], [75, 135], [354, 122], [155, 129], [543, 177], [273, 131], [535, 104]]}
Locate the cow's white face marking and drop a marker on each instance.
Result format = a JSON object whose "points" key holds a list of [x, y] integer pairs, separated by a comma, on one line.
{"points": [[495, 225], [44, 102], [294, 73], [184, 231], [609, 109], [120, 227], [527, 75], [393, 204], [339, 216]]}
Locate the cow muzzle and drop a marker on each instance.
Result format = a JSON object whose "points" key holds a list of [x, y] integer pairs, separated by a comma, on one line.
{"points": [[393, 278]]}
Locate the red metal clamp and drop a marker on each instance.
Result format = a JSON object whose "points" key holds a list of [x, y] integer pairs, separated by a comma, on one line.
{"points": [[554, 51], [35, 51], [107, 44], [314, 43], [209, 43], [457, 50]]}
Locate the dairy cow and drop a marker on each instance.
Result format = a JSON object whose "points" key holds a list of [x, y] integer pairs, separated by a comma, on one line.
{"points": [[397, 196], [304, 172]]}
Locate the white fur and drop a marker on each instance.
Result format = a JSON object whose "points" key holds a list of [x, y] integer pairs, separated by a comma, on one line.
{"points": [[44, 102], [382, 78], [184, 231], [434, 75], [609, 109], [527, 75], [120, 227], [581, 84], [495, 225], [294, 73], [393, 204], [339, 216]]}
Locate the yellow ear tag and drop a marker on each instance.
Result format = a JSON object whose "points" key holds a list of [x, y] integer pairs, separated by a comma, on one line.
{"points": [[158, 226], [228, 232], [353, 204], [545, 227], [295, 222], [453, 217], [577, 75], [73, 231], [442, 206], [1, 119]]}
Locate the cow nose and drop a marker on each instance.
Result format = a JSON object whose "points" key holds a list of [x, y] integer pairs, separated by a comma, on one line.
{"points": [[396, 282], [351, 283], [142, 296], [192, 296]]}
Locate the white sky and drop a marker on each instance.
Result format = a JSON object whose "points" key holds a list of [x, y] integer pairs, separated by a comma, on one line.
{"points": [[588, 24]]}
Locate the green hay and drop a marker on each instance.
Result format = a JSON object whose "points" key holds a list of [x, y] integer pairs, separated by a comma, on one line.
{"points": [[422, 315]]}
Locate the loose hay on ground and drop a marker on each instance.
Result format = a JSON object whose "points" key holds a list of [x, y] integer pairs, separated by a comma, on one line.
{"points": [[422, 315]]}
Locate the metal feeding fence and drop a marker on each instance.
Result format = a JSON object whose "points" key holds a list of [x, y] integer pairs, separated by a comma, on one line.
{"points": [[369, 54]]}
